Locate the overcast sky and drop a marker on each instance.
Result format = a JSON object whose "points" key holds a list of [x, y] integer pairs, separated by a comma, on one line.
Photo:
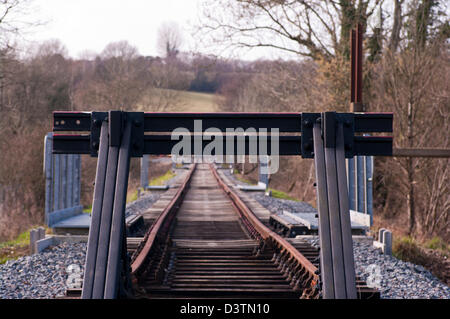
{"points": [[89, 25]]}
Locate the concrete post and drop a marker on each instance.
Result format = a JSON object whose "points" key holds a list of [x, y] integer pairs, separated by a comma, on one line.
{"points": [[380, 234], [41, 233], [387, 243], [34, 237], [144, 171]]}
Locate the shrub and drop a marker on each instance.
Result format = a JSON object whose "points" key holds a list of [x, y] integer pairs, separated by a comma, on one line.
{"points": [[437, 243], [407, 249]]}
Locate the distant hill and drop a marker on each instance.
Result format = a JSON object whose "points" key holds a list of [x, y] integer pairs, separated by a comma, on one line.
{"points": [[182, 101]]}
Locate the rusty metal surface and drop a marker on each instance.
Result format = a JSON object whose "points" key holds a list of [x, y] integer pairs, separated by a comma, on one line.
{"points": [[214, 246], [143, 251], [289, 255]]}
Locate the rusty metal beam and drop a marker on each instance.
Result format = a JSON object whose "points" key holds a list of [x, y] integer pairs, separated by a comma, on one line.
{"points": [[356, 57]]}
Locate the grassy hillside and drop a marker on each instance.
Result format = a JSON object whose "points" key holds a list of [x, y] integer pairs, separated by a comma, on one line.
{"points": [[181, 101], [197, 102]]}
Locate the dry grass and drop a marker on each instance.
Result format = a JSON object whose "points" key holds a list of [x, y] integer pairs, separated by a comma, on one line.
{"points": [[197, 102], [187, 101], [23, 181]]}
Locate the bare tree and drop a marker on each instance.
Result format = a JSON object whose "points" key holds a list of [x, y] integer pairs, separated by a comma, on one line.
{"points": [[413, 82], [169, 40], [12, 23], [315, 29], [396, 26], [16, 20], [119, 82], [121, 50]]}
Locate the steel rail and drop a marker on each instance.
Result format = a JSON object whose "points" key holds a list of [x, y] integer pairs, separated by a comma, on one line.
{"points": [[144, 249], [300, 269], [286, 249]]}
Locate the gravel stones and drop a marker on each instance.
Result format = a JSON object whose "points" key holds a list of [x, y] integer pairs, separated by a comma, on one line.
{"points": [[277, 205], [394, 278], [44, 275]]}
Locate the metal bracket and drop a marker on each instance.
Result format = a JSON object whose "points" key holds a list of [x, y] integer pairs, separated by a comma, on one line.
{"points": [[329, 129], [329, 122], [308, 120], [348, 122], [97, 119], [137, 133], [116, 126], [117, 121]]}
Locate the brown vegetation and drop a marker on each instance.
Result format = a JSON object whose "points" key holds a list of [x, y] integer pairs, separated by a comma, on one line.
{"points": [[46, 80]]}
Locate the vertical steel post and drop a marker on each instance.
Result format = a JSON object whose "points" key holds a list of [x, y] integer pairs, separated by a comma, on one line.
{"points": [[94, 228], [56, 181], [326, 259], [105, 223], [333, 204], [63, 187], [369, 187], [352, 67], [118, 216], [358, 68], [48, 165], [69, 188], [106, 237], [336, 253], [360, 184], [344, 214], [356, 46], [77, 180]]}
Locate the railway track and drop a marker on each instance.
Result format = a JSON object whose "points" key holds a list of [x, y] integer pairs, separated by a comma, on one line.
{"points": [[117, 136], [208, 244]]}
